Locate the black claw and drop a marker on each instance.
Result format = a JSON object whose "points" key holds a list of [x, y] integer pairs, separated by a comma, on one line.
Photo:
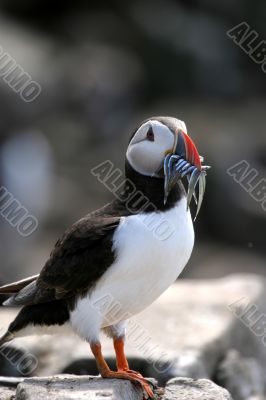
{"points": [[153, 385]]}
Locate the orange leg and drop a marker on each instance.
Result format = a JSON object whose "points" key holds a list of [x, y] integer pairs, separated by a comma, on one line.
{"points": [[121, 373], [121, 360]]}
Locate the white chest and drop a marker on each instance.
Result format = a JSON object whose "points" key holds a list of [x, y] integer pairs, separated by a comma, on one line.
{"points": [[151, 251]]}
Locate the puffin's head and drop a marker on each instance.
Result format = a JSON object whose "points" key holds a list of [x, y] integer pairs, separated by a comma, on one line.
{"points": [[161, 148]]}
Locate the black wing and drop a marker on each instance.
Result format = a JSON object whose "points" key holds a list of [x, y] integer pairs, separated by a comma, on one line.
{"points": [[78, 260], [81, 256]]}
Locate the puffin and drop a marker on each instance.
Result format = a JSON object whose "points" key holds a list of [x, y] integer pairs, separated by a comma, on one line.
{"points": [[125, 254]]}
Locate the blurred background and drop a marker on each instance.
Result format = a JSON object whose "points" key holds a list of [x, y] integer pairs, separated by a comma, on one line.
{"points": [[105, 66]]}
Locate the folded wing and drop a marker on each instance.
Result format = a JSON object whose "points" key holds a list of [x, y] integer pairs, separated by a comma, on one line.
{"points": [[78, 260]]}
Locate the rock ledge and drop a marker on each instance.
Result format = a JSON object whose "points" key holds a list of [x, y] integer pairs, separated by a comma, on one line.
{"points": [[72, 387]]}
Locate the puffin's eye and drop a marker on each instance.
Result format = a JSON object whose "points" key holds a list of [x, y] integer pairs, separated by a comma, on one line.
{"points": [[150, 135]]}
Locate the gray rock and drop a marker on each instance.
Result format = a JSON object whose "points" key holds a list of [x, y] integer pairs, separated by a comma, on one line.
{"points": [[7, 393], [191, 389], [71, 387], [8, 387], [243, 377], [78, 388]]}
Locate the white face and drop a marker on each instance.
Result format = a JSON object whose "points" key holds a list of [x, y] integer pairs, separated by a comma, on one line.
{"points": [[149, 146]]}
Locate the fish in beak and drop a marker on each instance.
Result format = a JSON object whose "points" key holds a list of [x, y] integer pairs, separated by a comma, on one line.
{"points": [[185, 161]]}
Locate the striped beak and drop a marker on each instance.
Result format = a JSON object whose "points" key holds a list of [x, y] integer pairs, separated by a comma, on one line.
{"points": [[185, 161]]}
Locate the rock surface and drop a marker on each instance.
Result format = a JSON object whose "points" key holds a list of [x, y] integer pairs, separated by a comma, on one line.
{"points": [[78, 388], [194, 389], [7, 393], [70, 387], [8, 387]]}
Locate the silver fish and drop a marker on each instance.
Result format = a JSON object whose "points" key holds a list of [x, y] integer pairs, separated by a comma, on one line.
{"points": [[176, 168]]}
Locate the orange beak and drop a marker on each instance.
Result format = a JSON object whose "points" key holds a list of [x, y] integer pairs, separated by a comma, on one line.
{"points": [[185, 161], [186, 149]]}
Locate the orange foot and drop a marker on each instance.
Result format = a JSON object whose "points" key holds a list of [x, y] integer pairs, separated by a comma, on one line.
{"points": [[123, 371], [130, 371], [132, 376]]}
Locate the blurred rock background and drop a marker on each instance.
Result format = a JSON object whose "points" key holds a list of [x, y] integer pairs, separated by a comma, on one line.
{"points": [[105, 66]]}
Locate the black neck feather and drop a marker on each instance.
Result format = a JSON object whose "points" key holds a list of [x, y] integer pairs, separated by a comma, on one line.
{"points": [[150, 191]]}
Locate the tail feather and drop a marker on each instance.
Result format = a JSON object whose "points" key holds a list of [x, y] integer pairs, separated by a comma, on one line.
{"points": [[15, 287], [24, 296], [7, 337], [10, 302]]}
